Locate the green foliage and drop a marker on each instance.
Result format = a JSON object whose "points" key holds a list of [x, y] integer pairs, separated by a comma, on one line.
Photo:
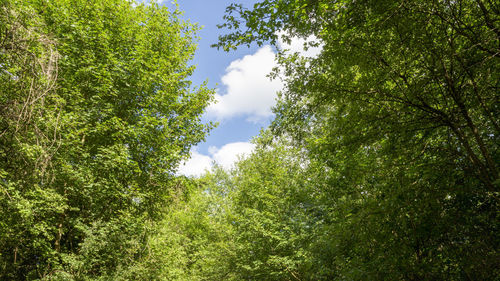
{"points": [[194, 239], [272, 212], [399, 116], [381, 164], [96, 113]]}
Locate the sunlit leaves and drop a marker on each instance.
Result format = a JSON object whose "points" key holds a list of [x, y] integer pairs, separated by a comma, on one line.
{"points": [[99, 115]]}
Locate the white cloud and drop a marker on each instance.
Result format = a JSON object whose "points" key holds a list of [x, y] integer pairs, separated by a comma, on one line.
{"points": [[196, 165], [296, 45], [225, 156], [229, 153], [249, 91]]}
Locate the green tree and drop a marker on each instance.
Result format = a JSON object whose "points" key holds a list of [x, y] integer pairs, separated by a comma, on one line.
{"points": [[400, 111], [273, 215], [96, 113], [432, 63], [263, 215], [195, 240]]}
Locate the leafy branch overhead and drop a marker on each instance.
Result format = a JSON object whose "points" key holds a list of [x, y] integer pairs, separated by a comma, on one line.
{"points": [[399, 113]]}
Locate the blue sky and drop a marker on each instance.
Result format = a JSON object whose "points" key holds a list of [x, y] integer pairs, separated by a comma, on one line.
{"points": [[238, 82], [244, 94]]}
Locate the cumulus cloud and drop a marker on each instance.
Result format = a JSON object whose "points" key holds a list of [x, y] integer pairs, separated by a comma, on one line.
{"points": [[229, 153], [249, 91], [225, 156], [196, 165]]}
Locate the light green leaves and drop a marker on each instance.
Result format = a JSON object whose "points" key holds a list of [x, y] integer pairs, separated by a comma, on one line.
{"points": [[91, 132]]}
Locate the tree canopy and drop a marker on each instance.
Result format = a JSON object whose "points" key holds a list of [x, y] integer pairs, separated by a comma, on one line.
{"points": [[381, 162], [96, 113], [399, 111]]}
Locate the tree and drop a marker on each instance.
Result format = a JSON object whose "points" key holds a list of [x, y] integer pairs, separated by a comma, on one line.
{"points": [[195, 240], [254, 222], [436, 62], [273, 211], [399, 110], [96, 114]]}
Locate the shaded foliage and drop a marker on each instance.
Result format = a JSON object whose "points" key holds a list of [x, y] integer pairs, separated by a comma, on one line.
{"points": [[399, 113]]}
